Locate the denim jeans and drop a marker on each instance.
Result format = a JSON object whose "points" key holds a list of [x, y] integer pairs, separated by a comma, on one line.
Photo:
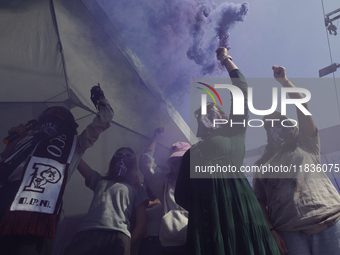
{"points": [[324, 243]]}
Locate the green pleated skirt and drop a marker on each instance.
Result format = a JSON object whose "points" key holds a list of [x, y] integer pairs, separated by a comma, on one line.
{"points": [[226, 218]]}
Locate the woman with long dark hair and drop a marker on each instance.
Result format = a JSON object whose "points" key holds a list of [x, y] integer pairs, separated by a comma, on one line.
{"points": [[106, 227], [301, 205]]}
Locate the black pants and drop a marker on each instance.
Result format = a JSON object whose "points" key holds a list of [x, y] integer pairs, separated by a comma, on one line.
{"points": [[7, 193], [25, 245], [99, 242], [19, 245]]}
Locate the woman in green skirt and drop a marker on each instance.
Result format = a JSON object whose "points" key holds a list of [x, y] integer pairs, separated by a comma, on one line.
{"points": [[224, 214]]}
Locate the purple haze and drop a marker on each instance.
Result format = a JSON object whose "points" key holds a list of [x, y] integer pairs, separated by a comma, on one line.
{"points": [[225, 16], [175, 39]]}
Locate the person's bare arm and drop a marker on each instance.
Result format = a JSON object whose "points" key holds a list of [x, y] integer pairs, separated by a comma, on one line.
{"points": [[140, 228], [158, 133], [85, 170], [152, 174], [306, 123], [278, 239]]}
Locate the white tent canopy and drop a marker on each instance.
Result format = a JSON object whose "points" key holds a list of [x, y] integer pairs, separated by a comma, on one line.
{"points": [[52, 53]]}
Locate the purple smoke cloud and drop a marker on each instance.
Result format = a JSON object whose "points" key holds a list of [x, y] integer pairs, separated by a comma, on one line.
{"points": [[175, 39], [224, 17], [230, 14]]}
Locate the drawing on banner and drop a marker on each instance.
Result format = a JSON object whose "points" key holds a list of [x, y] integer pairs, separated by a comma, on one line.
{"points": [[42, 175]]}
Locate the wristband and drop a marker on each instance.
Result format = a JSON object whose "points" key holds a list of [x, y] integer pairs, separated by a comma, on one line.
{"points": [[225, 57], [272, 229]]}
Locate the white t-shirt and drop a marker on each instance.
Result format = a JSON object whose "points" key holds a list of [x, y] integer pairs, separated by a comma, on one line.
{"points": [[112, 204]]}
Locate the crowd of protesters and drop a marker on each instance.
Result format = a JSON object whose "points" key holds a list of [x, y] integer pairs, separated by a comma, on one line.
{"points": [[170, 213]]}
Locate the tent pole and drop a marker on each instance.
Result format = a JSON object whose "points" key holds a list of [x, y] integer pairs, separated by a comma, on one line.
{"points": [[54, 19], [100, 16]]}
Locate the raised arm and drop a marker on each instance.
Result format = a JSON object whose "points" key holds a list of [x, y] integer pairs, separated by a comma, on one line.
{"points": [[91, 134], [158, 133], [238, 80], [306, 122], [85, 170], [99, 124], [147, 166]]}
